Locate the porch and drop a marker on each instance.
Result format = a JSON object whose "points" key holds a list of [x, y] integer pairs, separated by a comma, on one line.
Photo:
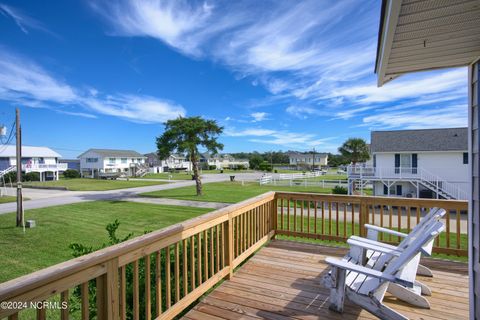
{"points": [[282, 281], [163, 273]]}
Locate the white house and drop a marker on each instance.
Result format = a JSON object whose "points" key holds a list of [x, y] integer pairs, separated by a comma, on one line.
{"points": [[223, 161], [174, 162], [96, 163], [34, 159], [307, 159], [431, 163]]}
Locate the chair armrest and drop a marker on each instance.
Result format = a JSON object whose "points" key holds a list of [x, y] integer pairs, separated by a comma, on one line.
{"points": [[373, 247], [385, 230], [366, 271], [378, 243]]}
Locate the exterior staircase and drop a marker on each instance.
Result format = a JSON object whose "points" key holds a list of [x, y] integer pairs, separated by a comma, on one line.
{"points": [[435, 183], [8, 170]]}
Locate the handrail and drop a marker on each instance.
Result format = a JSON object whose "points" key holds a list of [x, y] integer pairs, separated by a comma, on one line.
{"points": [[433, 181], [187, 259]]}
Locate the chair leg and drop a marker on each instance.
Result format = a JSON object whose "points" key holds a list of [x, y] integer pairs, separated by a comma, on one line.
{"points": [[424, 271], [424, 288], [375, 307], [408, 296], [337, 289]]}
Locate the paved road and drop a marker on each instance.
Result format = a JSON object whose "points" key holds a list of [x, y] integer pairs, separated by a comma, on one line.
{"points": [[47, 198], [177, 202]]}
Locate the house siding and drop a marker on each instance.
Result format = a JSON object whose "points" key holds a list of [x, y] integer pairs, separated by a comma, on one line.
{"points": [[474, 144]]}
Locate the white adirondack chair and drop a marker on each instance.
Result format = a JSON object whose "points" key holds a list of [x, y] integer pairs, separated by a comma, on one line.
{"points": [[373, 233], [365, 285]]}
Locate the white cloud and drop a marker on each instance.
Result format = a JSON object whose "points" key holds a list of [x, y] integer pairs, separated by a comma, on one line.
{"points": [[259, 116], [23, 81], [23, 21], [303, 112], [444, 117]]}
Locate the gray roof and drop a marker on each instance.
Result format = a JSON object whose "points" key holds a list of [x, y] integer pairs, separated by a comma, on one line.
{"points": [[115, 153], [305, 154], [450, 139]]}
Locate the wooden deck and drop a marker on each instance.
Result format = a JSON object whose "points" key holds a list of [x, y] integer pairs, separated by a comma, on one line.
{"points": [[282, 281]]}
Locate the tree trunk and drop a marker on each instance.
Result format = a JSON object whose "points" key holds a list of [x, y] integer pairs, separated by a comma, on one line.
{"points": [[196, 176]]}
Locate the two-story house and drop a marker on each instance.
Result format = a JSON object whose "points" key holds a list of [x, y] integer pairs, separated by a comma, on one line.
{"points": [[97, 163], [428, 163], [174, 162], [43, 160], [222, 161], [308, 159]]}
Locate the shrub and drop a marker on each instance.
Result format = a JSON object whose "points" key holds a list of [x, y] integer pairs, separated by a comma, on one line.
{"points": [[339, 190], [241, 167], [265, 166], [212, 167], [71, 174], [31, 176]]}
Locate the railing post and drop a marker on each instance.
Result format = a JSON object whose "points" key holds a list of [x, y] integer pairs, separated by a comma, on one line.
{"points": [[229, 246], [363, 213], [108, 307], [274, 214]]}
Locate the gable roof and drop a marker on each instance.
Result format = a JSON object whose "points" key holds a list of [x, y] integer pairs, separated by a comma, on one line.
{"points": [[450, 139], [28, 152], [306, 154], [115, 153]]}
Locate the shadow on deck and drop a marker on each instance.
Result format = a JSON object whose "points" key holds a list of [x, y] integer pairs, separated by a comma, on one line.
{"points": [[282, 281]]}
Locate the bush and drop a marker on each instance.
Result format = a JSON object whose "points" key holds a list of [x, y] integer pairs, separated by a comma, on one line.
{"points": [[240, 167], [71, 174], [339, 190], [31, 176], [265, 166], [212, 167]]}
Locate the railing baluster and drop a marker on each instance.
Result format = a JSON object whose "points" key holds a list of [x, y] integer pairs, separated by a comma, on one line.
{"points": [[353, 218], [199, 259], [41, 314], [212, 261], [192, 263], [84, 301], [337, 225], [308, 216], [329, 218], [136, 293], [158, 282], [64, 300], [281, 214], [185, 267], [323, 217], [399, 215], [457, 217], [302, 204], [168, 281], [148, 293], [217, 247], [223, 245], [390, 221], [381, 221], [288, 214], [447, 226], [295, 216], [315, 213], [177, 272], [13, 316], [205, 255], [345, 220]]}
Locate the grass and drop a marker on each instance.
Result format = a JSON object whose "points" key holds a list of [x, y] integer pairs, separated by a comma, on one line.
{"points": [[93, 184], [6, 199], [228, 192], [59, 226], [168, 176]]}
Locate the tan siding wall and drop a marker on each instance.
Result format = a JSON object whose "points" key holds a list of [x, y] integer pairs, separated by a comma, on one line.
{"points": [[475, 147]]}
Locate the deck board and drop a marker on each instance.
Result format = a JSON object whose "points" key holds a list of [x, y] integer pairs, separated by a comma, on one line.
{"points": [[282, 281]]}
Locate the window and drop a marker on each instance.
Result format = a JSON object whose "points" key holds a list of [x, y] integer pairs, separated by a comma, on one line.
{"points": [[124, 160], [91, 160], [111, 160], [465, 158]]}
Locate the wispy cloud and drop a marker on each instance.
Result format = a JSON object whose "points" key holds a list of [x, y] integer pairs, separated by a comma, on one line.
{"points": [[259, 116], [22, 20], [23, 81]]}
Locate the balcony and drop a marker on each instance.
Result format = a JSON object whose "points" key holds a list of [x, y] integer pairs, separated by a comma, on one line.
{"points": [[255, 245], [42, 167]]}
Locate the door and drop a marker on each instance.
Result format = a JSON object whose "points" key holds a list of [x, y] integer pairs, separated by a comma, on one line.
{"points": [[406, 163]]}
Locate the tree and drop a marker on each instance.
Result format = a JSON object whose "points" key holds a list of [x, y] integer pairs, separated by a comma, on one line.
{"points": [[255, 161], [185, 135], [355, 150], [335, 160]]}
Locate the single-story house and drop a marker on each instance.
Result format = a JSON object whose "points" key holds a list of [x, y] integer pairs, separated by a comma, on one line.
{"points": [[307, 159]]}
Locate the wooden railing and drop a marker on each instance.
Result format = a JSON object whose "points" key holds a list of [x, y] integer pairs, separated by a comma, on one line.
{"points": [[160, 274], [337, 217], [157, 275]]}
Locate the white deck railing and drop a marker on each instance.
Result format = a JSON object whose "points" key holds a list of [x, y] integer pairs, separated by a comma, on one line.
{"points": [[42, 167]]}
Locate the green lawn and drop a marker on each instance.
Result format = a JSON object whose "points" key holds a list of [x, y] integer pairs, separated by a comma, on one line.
{"points": [[168, 176], [228, 192], [93, 184], [6, 199], [57, 227]]}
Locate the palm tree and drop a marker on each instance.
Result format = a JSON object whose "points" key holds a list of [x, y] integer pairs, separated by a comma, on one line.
{"points": [[355, 150]]}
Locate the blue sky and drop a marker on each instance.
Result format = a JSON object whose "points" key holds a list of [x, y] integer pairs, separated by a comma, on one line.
{"points": [[278, 75]]}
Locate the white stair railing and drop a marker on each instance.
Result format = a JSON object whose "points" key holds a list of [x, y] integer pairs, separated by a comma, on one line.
{"points": [[8, 170]]}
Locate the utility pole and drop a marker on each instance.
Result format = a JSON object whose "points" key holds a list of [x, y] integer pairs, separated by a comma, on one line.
{"points": [[19, 171], [313, 163]]}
